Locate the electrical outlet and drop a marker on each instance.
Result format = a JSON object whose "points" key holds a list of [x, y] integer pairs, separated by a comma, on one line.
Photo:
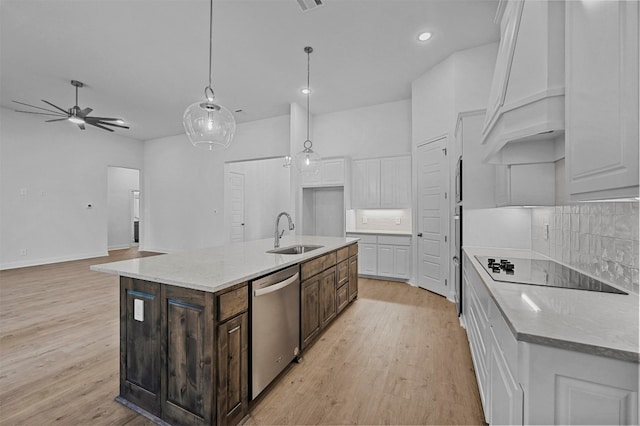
{"points": [[364, 219], [23, 191], [546, 231], [23, 252], [398, 221]]}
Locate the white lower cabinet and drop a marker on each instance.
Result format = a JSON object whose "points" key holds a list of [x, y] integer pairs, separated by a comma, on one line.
{"points": [[527, 383], [385, 256]]}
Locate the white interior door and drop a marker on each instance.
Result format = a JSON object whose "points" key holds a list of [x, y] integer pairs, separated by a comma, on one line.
{"points": [[433, 216], [236, 184]]}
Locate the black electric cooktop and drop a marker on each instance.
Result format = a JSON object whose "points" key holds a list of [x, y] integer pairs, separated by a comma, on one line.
{"points": [[541, 272]]}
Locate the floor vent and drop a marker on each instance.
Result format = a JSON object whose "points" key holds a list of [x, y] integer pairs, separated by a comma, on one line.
{"points": [[306, 5]]}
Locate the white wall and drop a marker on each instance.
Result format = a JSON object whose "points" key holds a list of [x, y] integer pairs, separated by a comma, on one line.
{"points": [[266, 193], [374, 131], [507, 227], [183, 186], [49, 173], [120, 183]]}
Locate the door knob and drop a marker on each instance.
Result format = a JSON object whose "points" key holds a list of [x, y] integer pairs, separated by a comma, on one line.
{"points": [[419, 234]]}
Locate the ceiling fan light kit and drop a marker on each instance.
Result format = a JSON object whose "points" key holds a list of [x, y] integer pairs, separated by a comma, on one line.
{"points": [[208, 125], [307, 161], [75, 114]]}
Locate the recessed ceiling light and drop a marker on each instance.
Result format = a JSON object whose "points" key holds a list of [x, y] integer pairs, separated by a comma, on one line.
{"points": [[424, 36], [305, 91]]}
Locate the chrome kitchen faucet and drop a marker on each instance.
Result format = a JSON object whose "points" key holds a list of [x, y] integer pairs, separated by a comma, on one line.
{"points": [[278, 235]]}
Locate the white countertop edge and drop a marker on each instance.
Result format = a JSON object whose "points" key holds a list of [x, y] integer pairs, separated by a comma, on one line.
{"points": [[533, 336], [402, 233], [130, 268]]}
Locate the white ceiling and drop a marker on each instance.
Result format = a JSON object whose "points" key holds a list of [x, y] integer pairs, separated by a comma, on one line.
{"points": [[147, 60]]}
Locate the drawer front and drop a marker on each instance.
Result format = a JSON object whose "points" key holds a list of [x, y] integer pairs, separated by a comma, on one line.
{"points": [[233, 302], [343, 272], [317, 265], [343, 254], [342, 297], [353, 249], [504, 337], [396, 240]]}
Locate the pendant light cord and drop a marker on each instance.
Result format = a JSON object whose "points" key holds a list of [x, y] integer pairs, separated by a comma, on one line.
{"points": [[308, 50], [208, 89]]}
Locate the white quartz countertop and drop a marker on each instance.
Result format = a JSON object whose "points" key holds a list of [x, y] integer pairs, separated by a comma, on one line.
{"points": [[216, 268], [377, 232], [597, 323]]}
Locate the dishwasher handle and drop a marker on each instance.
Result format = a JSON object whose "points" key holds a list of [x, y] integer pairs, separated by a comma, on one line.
{"points": [[276, 286]]}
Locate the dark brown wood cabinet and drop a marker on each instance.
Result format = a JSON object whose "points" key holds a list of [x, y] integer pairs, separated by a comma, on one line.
{"points": [[309, 309], [327, 296], [353, 276], [140, 354], [184, 353], [233, 383]]}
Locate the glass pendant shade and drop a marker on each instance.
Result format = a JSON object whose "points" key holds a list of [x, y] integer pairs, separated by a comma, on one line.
{"points": [[307, 161], [209, 126]]}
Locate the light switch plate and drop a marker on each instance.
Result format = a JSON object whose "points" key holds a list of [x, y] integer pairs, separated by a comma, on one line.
{"points": [[364, 219], [138, 309], [398, 221], [546, 231]]}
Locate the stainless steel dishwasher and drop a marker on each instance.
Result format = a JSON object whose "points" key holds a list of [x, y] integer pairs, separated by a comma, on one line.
{"points": [[275, 326]]}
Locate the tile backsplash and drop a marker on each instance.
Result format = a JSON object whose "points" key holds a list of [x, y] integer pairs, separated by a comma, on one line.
{"points": [[601, 239]]}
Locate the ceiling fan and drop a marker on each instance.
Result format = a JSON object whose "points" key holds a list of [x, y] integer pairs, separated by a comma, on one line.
{"points": [[75, 114]]}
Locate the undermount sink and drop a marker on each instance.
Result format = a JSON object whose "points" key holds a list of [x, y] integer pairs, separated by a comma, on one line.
{"points": [[297, 249]]}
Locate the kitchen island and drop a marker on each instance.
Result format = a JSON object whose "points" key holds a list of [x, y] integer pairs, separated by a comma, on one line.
{"points": [[185, 322], [546, 355]]}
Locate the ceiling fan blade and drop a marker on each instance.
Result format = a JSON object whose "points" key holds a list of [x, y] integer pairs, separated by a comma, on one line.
{"points": [[33, 106], [100, 126], [81, 125], [55, 106], [43, 113], [93, 120], [105, 118], [56, 119], [86, 111]]}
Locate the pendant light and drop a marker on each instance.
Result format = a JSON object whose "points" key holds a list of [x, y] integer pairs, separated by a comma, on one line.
{"points": [[208, 125], [307, 161]]}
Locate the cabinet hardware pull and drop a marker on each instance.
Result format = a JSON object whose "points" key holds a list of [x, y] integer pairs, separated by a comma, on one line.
{"points": [[234, 329]]}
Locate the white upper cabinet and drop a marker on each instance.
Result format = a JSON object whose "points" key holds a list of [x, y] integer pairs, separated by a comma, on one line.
{"points": [[381, 183], [526, 101], [602, 99], [395, 182], [331, 172]]}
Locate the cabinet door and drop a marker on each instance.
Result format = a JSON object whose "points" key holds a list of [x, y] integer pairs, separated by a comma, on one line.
{"points": [[233, 373], [187, 375], [386, 261], [602, 99], [309, 309], [353, 277], [506, 394], [388, 182], [365, 184], [140, 356], [402, 261], [368, 254], [327, 296], [333, 171]]}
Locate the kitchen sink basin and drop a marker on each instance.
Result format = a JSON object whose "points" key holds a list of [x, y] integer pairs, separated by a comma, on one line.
{"points": [[297, 249]]}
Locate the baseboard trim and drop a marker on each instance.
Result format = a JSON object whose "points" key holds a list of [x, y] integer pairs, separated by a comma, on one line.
{"points": [[47, 261]]}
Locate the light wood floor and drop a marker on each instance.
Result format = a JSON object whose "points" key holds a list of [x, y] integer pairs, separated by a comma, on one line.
{"points": [[395, 356]]}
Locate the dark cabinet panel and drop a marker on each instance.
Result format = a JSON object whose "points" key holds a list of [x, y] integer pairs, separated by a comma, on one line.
{"points": [[140, 358], [353, 277], [327, 296], [233, 379], [188, 346], [309, 309]]}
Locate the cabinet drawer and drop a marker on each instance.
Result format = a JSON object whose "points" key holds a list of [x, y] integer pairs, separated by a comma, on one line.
{"points": [[343, 272], [504, 338], [396, 240], [317, 265], [353, 250], [343, 254], [342, 297], [233, 302]]}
